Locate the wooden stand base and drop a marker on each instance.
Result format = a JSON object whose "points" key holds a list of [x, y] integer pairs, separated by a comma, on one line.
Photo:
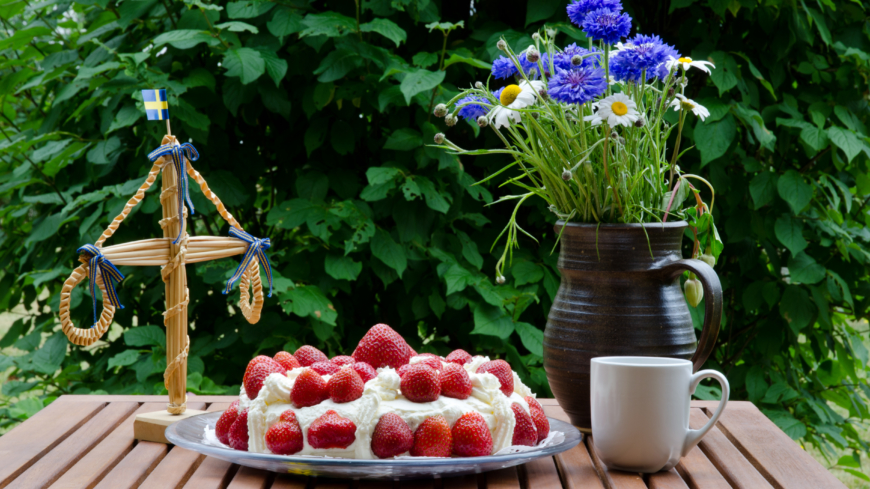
{"points": [[152, 426]]}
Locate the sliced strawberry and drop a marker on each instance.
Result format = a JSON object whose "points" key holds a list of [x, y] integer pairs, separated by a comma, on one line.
{"points": [[309, 389], [421, 383], [382, 347], [433, 361], [325, 368], [239, 432], [502, 371], [433, 438], [542, 424], [255, 378], [345, 386], [285, 436], [225, 422], [392, 436], [287, 360], [525, 432], [307, 355], [365, 371], [455, 381], [331, 431], [471, 436], [342, 360], [459, 356]]}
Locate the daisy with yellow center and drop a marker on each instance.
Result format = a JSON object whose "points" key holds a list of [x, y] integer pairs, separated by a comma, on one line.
{"points": [[685, 63], [683, 103], [617, 110], [514, 97]]}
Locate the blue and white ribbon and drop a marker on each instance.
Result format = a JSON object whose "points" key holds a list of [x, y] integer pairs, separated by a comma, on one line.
{"points": [[177, 153], [256, 248], [111, 275]]}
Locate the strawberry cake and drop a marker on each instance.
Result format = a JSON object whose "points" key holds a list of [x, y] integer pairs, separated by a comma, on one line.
{"points": [[382, 401]]}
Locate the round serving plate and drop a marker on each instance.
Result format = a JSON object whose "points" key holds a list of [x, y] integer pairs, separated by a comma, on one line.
{"points": [[190, 434]]}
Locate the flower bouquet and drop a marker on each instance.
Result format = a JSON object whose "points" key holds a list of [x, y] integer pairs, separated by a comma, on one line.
{"points": [[587, 128]]}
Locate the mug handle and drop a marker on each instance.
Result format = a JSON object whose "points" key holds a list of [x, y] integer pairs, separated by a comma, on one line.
{"points": [[712, 304], [694, 436]]}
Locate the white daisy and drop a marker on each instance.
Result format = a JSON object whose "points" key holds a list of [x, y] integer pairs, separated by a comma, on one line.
{"points": [[686, 63], [593, 119], [681, 102], [617, 110], [511, 98]]}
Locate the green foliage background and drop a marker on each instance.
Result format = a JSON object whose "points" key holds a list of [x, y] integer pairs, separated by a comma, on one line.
{"points": [[311, 120]]}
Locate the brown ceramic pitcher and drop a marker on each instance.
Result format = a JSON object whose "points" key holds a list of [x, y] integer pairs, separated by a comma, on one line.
{"points": [[616, 298]]}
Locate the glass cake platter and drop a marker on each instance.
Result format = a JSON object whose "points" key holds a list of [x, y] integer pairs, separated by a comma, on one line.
{"points": [[191, 434]]}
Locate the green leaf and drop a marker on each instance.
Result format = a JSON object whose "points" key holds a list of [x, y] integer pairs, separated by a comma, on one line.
{"points": [[794, 190], [386, 28], [787, 423], [458, 278], [849, 461], [526, 272], [275, 66], [803, 269], [789, 232], [420, 81], [434, 199], [378, 175], [236, 26], [458, 58], [245, 9], [796, 308], [185, 39], [541, 10], [245, 63], [815, 137], [820, 24], [23, 36], [25, 408], [469, 250], [47, 360], [309, 300], [763, 187], [532, 338], [725, 74], [123, 359], [858, 474], [145, 336], [125, 117], [756, 386], [389, 252], [315, 135], [13, 388], [846, 140], [405, 139], [342, 267], [492, 321], [713, 139], [228, 187], [337, 64], [285, 22], [330, 24], [292, 213], [424, 59]]}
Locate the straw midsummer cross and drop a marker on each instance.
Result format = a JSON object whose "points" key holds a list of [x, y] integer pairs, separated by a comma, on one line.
{"points": [[171, 252]]}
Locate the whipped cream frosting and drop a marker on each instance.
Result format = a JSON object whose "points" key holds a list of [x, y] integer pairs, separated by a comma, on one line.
{"points": [[382, 395]]}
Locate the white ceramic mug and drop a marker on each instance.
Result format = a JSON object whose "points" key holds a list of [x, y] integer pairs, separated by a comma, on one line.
{"points": [[640, 411]]}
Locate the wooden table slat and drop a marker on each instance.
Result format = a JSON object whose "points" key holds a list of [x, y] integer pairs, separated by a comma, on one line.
{"points": [[463, 482], [289, 481], [614, 479], [776, 456], [28, 442], [577, 469], [556, 411], [542, 473], [53, 464], [248, 478], [697, 470], [212, 473], [503, 479], [666, 480]]}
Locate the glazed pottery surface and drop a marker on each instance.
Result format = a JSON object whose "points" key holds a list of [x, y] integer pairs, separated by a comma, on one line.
{"points": [[640, 411], [620, 295]]}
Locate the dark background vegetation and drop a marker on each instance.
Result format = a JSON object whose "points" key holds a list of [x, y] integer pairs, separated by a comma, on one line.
{"points": [[311, 120]]}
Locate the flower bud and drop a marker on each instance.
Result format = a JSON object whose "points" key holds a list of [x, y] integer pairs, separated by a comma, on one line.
{"points": [[613, 135], [640, 122], [576, 60], [533, 73], [535, 115], [566, 175], [439, 138], [670, 92], [440, 110], [708, 259], [536, 36], [478, 85], [482, 121], [551, 33], [694, 292], [501, 45], [499, 279], [450, 120], [544, 95]]}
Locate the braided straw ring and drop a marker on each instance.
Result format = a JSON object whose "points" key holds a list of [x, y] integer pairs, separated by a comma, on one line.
{"points": [[251, 278], [80, 336]]}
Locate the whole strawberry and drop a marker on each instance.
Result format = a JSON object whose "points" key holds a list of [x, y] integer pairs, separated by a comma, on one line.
{"points": [[239, 432], [502, 371], [225, 422], [345, 386], [331, 431], [433, 438], [287, 360], [392, 436], [255, 378], [525, 432], [432, 361], [459, 356], [325, 368], [542, 424], [342, 360], [471, 436], [309, 389], [307, 355], [366, 372], [421, 383], [403, 370], [382, 347], [285, 436], [254, 362], [455, 381]]}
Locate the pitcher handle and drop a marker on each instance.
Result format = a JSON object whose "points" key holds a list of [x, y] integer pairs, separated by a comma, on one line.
{"points": [[712, 305]]}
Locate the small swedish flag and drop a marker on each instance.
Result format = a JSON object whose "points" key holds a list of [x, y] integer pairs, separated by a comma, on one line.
{"points": [[156, 106]]}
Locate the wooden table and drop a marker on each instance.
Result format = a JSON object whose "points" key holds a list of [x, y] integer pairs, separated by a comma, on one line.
{"points": [[87, 441]]}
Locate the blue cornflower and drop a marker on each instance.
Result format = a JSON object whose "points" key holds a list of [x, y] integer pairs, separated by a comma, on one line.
{"points": [[497, 94], [661, 70], [641, 53], [578, 10], [473, 110], [577, 86], [606, 25], [563, 60], [503, 68], [528, 66]]}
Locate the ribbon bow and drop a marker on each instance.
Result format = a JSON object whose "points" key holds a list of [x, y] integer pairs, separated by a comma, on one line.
{"points": [[256, 247], [177, 153], [111, 275]]}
